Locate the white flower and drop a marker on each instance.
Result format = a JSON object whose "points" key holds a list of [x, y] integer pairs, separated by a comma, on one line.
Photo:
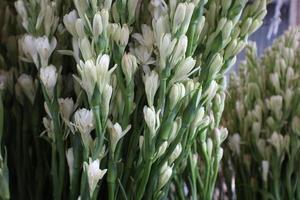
{"points": [[146, 39], [165, 47], [84, 121], [184, 69], [28, 86], [94, 173], [151, 119], [95, 74], [116, 133], [143, 55], [45, 49], [66, 107], [69, 21], [30, 49], [165, 174], [151, 82], [48, 76], [129, 66]]}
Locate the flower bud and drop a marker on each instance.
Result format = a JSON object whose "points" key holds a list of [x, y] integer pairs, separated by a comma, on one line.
{"points": [[66, 107], [234, 143], [255, 25], [215, 66], [245, 26], [165, 175], [106, 96], [179, 16], [21, 10], [220, 134], [141, 142], [184, 69], [79, 26], [210, 93], [209, 147], [187, 18], [85, 48], [28, 86], [176, 94], [166, 47], [94, 174], [176, 153], [162, 149], [84, 121], [124, 35], [104, 18], [296, 125], [175, 128], [69, 22], [151, 82], [274, 78], [275, 105], [151, 119], [116, 133], [265, 170], [70, 161], [226, 31], [48, 76], [180, 49], [29, 48], [81, 7], [277, 141], [97, 25], [45, 49], [129, 66], [219, 154], [132, 6]]}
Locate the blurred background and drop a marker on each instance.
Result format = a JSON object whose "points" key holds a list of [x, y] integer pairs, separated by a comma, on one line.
{"points": [[281, 15]]}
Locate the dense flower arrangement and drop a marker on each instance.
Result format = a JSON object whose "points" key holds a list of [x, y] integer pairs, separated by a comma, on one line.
{"points": [[129, 92], [263, 119]]}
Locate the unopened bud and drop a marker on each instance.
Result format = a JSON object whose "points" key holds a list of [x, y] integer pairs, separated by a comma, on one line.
{"points": [[129, 66], [48, 76], [176, 94], [97, 25], [28, 86]]}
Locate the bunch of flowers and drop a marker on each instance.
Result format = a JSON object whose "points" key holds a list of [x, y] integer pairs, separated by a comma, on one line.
{"points": [[130, 94], [263, 119]]}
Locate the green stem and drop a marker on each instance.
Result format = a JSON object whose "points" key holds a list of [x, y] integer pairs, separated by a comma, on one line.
{"points": [[99, 133], [145, 177], [111, 177]]}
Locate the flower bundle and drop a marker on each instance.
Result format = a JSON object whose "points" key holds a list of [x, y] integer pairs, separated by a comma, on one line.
{"points": [[262, 117], [130, 94]]}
